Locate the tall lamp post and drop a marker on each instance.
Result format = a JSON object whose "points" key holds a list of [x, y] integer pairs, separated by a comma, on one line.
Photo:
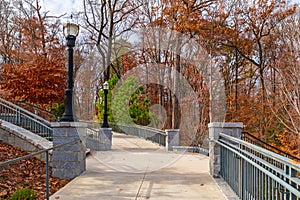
{"points": [[105, 122], [70, 32]]}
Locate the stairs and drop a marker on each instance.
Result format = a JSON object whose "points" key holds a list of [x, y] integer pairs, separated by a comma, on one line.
{"points": [[21, 117]]}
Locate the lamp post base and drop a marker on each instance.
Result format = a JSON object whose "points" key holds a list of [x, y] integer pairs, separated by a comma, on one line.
{"points": [[68, 114], [105, 122], [67, 118]]}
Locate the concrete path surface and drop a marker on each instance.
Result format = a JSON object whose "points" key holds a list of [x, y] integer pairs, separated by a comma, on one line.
{"points": [[139, 169]]}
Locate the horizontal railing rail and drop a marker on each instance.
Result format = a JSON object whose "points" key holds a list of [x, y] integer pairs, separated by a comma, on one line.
{"points": [[43, 113], [257, 173], [25, 119], [154, 135], [193, 149], [94, 141], [47, 152], [157, 136], [254, 140]]}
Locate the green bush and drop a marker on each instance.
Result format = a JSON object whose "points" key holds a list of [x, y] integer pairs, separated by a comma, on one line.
{"points": [[24, 194], [58, 110]]}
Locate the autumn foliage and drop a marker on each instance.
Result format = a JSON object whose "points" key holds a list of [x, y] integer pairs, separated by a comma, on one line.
{"points": [[35, 74], [33, 63], [254, 43], [258, 61]]}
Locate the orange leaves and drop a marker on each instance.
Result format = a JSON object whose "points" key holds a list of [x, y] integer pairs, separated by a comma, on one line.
{"points": [[36, 71], [182, 16], [131, 60], [289, 142]]}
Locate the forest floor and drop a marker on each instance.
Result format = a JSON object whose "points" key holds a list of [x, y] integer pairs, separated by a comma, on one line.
{"points": [[28, 173]]}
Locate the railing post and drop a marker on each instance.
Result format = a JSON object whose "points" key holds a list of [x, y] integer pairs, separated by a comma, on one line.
{"points": [[68, 161], [232, 129], [47, 175], [18, 116], [291, 173], [172, 138]]}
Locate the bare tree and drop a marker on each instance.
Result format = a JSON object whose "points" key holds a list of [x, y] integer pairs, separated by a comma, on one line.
{"points": [[107, 21]]}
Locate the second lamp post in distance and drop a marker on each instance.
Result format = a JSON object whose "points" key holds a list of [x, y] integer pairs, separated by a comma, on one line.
{"points": [[105, 121]]}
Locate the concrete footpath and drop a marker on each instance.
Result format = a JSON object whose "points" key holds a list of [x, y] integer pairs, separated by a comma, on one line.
{"points": [[139, 169]]}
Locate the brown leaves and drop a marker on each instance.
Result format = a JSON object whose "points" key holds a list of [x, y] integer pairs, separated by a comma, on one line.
{"points": [[35, 71], [26, 173], [3, 193]]}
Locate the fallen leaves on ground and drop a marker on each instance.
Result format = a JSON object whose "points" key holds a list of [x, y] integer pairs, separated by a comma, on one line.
{"points": [[29, 173]]}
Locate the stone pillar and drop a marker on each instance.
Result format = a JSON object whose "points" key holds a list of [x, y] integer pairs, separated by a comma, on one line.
{"points": [[68, 161], [232, 129], [105, 138], [172, 138]]}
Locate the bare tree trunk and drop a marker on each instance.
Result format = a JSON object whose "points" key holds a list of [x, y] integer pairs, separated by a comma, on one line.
{"points": [[176, 91]]}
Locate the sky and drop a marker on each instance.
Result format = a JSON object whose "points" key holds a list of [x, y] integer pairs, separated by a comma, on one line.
{"points": [[59, 7]]}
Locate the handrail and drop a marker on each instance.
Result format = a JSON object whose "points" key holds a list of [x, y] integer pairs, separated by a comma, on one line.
{"points": [[254, 140], [33, 108], [95, 141], [25, 111], [266, 152], [155, 135], [141, 127], [46, 151], [21, 117], [254, 172]]}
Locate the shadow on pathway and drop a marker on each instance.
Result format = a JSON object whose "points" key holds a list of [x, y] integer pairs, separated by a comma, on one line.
{"points": [[139, 169]]}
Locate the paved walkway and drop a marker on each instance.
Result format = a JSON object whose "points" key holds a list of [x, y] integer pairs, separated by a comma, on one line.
{"points": [[138, 169]]}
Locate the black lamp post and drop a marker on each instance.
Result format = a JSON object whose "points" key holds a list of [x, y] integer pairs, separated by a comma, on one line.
{"points": [[105, 122], [70, 31]]}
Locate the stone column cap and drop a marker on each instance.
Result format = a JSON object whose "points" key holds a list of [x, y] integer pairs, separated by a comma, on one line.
{"points": [[109, 129], [69, 124], [225, 125], [168, 130]]}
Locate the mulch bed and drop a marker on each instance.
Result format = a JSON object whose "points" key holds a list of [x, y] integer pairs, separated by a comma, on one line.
{"points": [[28, 173]]}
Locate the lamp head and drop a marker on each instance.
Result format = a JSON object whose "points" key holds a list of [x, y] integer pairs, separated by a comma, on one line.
{"points": [[106, 85], [71, 30]]}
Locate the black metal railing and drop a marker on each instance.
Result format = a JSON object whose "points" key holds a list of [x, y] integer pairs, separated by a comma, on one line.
{"points": [[255, 140]]}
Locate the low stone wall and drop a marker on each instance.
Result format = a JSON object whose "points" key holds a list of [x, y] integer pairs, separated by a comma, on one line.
{"points": [[24, 139]]}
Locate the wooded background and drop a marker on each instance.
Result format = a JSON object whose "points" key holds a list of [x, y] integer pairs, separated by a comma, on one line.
{"points": [[254, 43]]}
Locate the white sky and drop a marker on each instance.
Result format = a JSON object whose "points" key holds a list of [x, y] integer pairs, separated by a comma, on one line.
{"points": [[59, 7]]}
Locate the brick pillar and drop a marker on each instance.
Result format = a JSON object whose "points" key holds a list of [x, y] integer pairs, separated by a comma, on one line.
{"points": [[232, 129], [68, 161], [172, 138]]}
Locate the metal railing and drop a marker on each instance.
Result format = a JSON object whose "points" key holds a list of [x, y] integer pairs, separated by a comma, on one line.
{"points": [[193, 149], [154, 135], [94, 141], [19, 116], [45, 114], [257, 173], [47, 152], [254, 140]]}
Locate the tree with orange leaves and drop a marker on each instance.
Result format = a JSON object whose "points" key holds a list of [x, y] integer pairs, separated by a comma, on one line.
{"points": [[35, 70]]}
